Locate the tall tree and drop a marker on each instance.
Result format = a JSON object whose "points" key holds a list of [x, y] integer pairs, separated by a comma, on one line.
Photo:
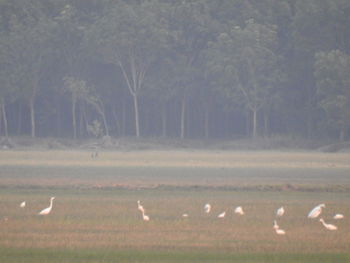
{"points": [[30, 53], [247, 61], [130, 37], [332, 72], [317, 26], [191, 28]]}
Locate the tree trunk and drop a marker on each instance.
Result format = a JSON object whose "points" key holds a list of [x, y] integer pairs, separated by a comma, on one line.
{"points": [[342, 134], [4, 118], [183, 117], [85, 119], [0, 121], [32, 116], [105, 123], [254, 123], [206, 123], [81, 120], [116, 120], [164, 120], [58, 118], [247, 123], [19, 119], [74, 118], [266, 124], [136, 109], [123, 131]]}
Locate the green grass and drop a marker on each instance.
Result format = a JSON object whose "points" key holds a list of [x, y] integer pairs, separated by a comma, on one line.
{"points": [[126, 256]]}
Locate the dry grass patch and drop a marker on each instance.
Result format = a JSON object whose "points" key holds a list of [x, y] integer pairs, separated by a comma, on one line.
{"points": [[222, 159], [110, 220]]}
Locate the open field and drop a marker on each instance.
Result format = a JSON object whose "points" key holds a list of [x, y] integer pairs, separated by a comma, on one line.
{"points": [[95, 216]]}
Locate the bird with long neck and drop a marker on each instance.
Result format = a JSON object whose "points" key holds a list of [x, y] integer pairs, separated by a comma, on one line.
{"points": [[145, 217], [47, 210], [328, 226], [315, 212], [140, 207]]}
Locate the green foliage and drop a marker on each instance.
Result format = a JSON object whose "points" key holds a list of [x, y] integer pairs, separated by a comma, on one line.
{"points": [[332, 73], [251, 57]]}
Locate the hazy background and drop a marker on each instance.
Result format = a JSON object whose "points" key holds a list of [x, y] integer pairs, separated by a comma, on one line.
{"points": [[201, 69]]}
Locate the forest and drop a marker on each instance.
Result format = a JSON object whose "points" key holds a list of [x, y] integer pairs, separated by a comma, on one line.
{"points": [[194, 69]]}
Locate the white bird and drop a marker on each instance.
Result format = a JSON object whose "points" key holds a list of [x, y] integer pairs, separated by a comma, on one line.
{"points": [[239, 210], [184, 215], [23, 204], [47, 210], [145, 217], [280, 231], [222, 215], [140, 207], [328, 226], [316, 211], [280, 211], [275, 226], [338, 216], [207, 208]]}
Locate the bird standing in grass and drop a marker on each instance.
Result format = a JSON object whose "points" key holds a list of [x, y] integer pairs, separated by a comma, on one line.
{"points": [[140, 207], [280, 211], [207, 208], [23, 204], [239, 210], [338, 216], [145, 217], [222, 215], [328, 226], [280, 231], [316, 211], [277, 228], [47, 210]]}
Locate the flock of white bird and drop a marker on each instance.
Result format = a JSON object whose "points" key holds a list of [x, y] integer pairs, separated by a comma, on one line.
{"points": [[314, 213]]}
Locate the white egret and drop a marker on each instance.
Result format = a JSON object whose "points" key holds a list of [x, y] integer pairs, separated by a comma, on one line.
{"points": [[47, 210], [338, 216], [222, 215], [185, 215], [316, 211], [23, 204], [145, 217], [207, 208], [239, 210], [140, 207], [328, 226], [280, 211], [280, 231]]}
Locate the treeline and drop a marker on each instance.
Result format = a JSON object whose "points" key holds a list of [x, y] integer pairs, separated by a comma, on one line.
{"points": [[187, 69]]}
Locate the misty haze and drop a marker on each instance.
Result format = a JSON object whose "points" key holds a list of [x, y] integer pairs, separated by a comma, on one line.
{"points": [[174, 130]]}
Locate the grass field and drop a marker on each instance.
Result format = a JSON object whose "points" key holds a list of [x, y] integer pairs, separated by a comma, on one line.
{"points": [[95, 216]]}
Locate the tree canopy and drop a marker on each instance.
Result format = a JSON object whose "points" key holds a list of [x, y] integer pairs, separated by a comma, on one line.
{"points": [[189, 69]]}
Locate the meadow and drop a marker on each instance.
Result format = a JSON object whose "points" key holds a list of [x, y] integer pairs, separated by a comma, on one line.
{"points": [[95, 216]]}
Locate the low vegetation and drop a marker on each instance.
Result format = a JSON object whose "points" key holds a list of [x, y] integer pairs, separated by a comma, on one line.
{"points": [[95, 216]]}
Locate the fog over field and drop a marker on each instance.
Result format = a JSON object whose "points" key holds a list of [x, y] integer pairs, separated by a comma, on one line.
{"points": [[173, 131]]}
